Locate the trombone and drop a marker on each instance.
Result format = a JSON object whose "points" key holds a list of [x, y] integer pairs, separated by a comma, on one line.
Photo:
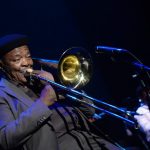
{"points": [[74, 71]]}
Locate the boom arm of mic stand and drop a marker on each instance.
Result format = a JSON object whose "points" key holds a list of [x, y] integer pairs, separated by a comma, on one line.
{"points": [[139, 64]]}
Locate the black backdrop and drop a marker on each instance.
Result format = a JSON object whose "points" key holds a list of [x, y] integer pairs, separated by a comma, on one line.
{"points": [[54, 26]]}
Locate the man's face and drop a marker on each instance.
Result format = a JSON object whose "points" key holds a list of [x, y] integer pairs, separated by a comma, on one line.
{"points": [[16, 62]]}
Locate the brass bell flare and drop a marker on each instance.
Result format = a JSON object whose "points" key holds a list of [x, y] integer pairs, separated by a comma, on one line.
{"points": [[75, 67]]}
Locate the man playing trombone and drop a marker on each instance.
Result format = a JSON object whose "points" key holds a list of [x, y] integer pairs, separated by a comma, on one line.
{"points": [[32, 116]]}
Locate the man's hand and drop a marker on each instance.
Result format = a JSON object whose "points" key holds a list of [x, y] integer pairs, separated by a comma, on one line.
{"points": [[48, 95]]}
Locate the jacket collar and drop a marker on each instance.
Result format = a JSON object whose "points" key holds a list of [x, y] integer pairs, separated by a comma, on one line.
{"points": [[15, 91]]}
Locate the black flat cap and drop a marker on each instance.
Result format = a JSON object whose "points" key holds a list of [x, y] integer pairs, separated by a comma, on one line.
{"points": [[11, 41]]}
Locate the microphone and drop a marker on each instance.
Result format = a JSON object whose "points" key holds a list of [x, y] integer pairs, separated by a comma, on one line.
{"points": [[109, 50], [141, 66]]}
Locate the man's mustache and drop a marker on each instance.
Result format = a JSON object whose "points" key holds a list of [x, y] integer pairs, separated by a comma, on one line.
{"points": [[27, 71]]}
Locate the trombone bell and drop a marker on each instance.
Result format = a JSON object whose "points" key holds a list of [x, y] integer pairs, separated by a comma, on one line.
{"points": [[75, 67]]}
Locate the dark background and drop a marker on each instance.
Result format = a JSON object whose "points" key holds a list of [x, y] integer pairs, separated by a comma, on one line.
{"points": [[54, 26]]}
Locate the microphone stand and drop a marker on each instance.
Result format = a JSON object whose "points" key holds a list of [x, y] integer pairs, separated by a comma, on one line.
{"points": [[138, 64], [144, 68]]}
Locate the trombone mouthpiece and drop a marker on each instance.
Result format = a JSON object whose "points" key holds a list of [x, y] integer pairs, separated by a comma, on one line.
{"points": [[29, 70]]}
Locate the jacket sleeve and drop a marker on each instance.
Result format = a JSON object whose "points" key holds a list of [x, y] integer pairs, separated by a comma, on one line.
{"points": [[14, 132]]}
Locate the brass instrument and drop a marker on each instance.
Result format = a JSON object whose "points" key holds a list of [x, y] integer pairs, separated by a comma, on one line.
{"points": [[74, 71], [74, 68]]}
